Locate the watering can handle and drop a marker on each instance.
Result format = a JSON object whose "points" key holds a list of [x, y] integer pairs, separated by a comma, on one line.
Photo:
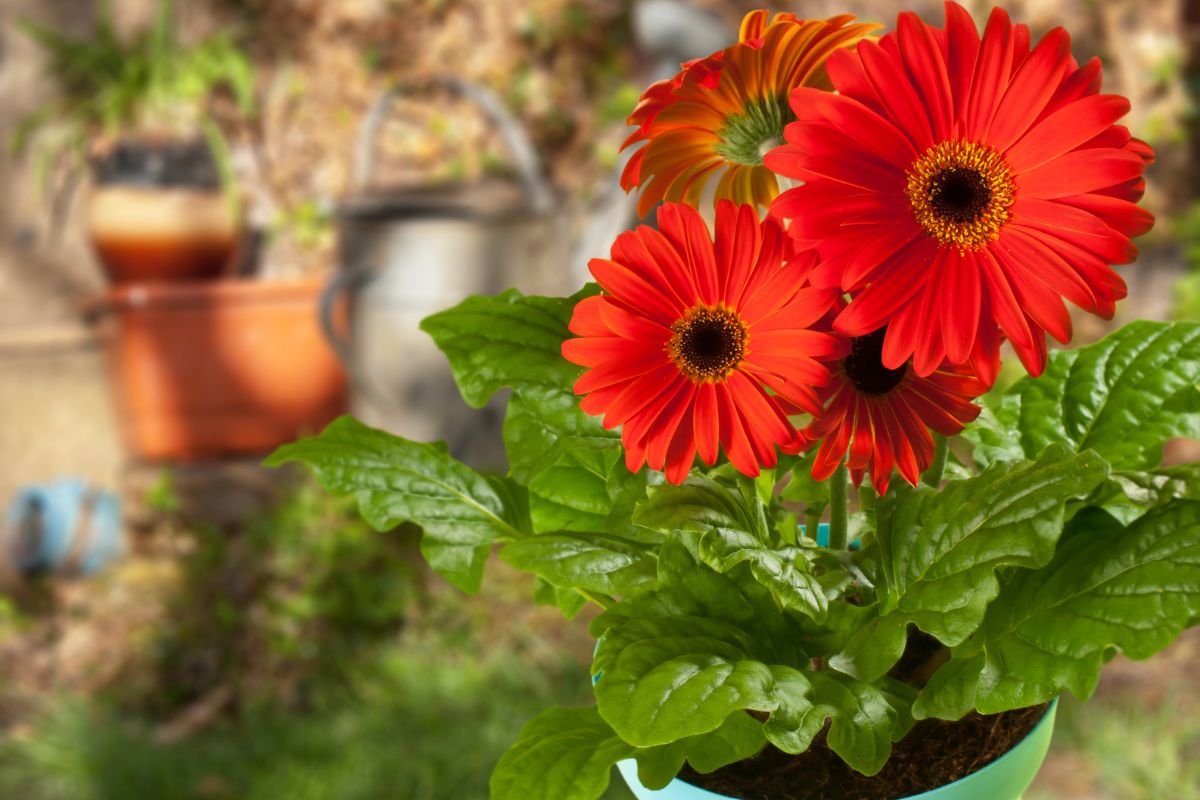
{"points": [[520, 149], [343, 282]]}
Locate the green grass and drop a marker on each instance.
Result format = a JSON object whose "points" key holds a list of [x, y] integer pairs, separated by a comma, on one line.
{"points": [[416, 726], [1118, 749]]}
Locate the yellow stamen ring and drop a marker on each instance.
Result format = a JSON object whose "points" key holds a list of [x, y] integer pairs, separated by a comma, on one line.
{"points": [[709, 343], [961, 193]]}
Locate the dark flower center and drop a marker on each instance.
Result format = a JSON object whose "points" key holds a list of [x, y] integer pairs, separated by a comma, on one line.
{"points": [[864, 366], [708, 343], [959, 195]]}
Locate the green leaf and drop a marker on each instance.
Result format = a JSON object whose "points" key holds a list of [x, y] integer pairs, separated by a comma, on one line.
{"points": [[589, 561], [994, 435], [690, 588], [735, 532], [699, 504], [505, 340], [785, 571], [668, 678], [394, 480], [939, 550], [739, 737], [1148, 488], [588, 490], [511, 340], [802, 488], [664, 679], [862, 721], [1109, 586], [561, 754], [568, 601], [1122, 396]]}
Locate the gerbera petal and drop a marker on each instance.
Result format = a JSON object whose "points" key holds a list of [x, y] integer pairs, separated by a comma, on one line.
{"points": [[705, 423], [1065, 129], [681, 122], [962, 49], [926, 65], [1079, 172], [990, 79], [1030, 89], [960, 306], [904, 106]]}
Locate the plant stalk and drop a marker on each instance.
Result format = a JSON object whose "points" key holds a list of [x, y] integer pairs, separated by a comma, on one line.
{"points": [[812, 521], [603, 603], [839, 508], [933, 475]]}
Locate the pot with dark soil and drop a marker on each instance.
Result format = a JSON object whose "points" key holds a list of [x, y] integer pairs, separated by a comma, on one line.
{"points": [[147, 113], [977, 758], [157, 212]]}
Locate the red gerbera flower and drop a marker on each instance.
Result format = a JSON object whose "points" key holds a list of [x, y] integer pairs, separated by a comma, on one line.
{"points": [[690, 334], [883, 415], [964, 187]]}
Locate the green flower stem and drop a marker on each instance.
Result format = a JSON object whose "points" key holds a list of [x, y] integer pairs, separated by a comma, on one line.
{"points": [[812, 521], [839, 508], [933, 475], [600, 600], [867, 498]]}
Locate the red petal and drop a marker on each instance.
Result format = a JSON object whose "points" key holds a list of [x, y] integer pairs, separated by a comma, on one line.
{"points": [[706, 425], [990, 79], [962, 48], [960, 307], [1030, 89], [1080, 172], [1064, 130], [927, 68], [903, 105]]}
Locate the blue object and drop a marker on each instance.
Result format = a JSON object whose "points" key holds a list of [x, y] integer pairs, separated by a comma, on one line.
{"points": [[64, 526], [1006, 778]]}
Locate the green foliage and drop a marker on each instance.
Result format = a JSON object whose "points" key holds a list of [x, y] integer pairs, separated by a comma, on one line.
{"points": [[288, 600], [590, 561], [738, 738], [1122, 397], [722, 630], [111, 87], [939, 551], [461, 513], [515, 341], [562, 752], [735, 531], [1134, 588]]}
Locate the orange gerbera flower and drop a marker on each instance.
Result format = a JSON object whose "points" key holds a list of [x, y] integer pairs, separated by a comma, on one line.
{"points": [[699, 343], [720, 114]]}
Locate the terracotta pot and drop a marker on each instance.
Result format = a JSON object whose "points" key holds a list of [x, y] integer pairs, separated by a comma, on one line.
{"points": [[152, 233], [208, 369]]}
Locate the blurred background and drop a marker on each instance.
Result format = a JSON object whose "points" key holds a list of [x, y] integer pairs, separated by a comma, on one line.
{"points": [[220, 221]]}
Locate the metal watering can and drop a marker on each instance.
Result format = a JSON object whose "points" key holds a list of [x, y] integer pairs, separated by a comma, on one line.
{"points": [[410, 253]]}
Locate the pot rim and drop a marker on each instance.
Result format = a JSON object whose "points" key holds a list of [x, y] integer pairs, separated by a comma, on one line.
{"points": [[201, 294]]}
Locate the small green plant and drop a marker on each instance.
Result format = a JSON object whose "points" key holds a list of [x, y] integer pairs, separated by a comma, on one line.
{"points": [[275, 607], [150, 83]]}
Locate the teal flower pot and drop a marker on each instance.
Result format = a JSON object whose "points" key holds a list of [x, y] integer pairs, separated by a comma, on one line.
{"points": [[1006, 778]]}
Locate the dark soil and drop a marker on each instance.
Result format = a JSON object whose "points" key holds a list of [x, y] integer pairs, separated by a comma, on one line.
{"points": [[933, 754]]}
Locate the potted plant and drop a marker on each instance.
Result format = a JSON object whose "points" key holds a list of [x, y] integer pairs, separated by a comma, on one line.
{"points": [[161, 204], [956, 188]]}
